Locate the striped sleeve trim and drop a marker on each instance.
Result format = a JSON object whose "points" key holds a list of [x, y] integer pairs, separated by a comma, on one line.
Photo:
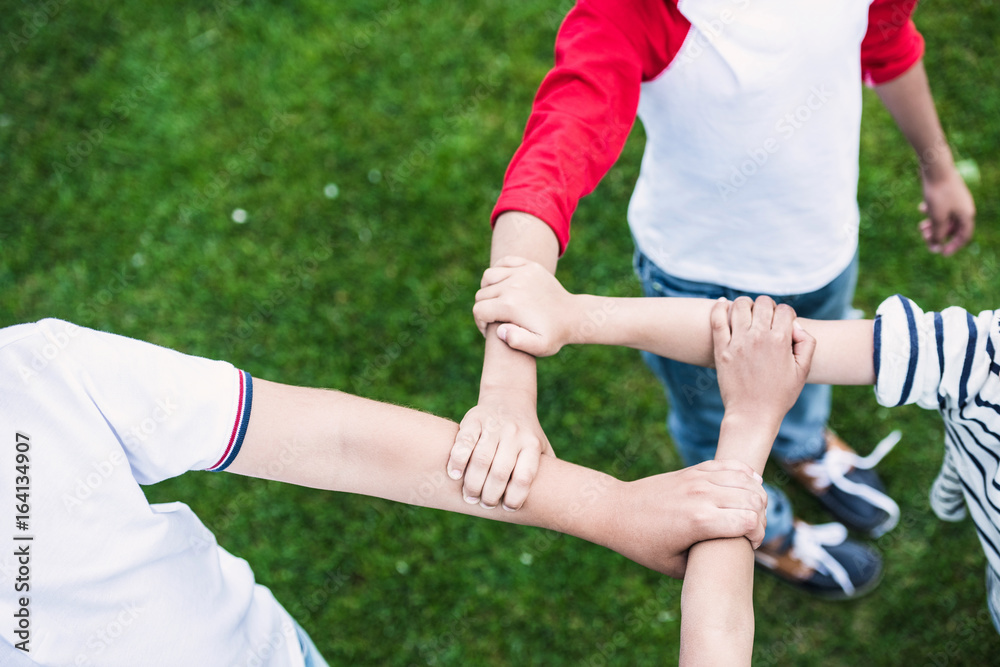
{"points": [[239, 425], [911, 368], [897, 343]]}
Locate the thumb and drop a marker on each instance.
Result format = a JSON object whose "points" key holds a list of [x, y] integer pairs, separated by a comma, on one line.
{"points": [[518, 338], [803, 346], [721, 332]]}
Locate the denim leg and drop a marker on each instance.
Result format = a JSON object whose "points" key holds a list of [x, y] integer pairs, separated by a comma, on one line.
{"points": [[695, 403]]}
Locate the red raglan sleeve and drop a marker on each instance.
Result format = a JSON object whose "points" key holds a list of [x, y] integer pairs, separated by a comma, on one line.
{"points": [[586, 105], [892, 44]]}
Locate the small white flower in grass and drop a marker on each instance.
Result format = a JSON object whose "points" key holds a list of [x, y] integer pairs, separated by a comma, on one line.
{"points": [[402, 566], [968, 170], [239, 216], [331, 191], [665, 616], [138, 259], [374, 176], [526, 558]]}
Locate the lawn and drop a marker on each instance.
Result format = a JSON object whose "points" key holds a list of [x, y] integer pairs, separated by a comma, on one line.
{"points": [[304, 189]]}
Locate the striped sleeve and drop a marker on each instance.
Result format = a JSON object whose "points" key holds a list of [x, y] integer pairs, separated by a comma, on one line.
{"points": [[936, 360], [244, 401], [906, 359]]}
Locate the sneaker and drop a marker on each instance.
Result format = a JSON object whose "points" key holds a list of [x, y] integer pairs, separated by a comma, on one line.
{"points": [[822, 561], [848, 487]]}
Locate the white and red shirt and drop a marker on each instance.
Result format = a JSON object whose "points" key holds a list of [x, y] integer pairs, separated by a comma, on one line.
{"points": [[99, 575], [752, 112]]}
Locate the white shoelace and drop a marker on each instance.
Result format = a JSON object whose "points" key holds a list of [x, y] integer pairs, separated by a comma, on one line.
{"points": [[836, 463], [809, 545]]}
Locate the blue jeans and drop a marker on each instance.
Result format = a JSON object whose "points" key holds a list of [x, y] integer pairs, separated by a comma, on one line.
{"points": [[696, 406]]}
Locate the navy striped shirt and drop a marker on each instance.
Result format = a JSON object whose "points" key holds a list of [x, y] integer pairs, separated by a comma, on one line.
{"points": [[947, 361]]}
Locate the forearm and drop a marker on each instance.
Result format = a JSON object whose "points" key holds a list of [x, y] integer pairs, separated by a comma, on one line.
{"points": [[524, 235], [339, 442], [680, 329], [908, 99], [717, 621]]}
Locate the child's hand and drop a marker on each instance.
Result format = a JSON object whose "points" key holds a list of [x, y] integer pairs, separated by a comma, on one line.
{"points": [[762, 356], [538, 313], [659, 518], [497, 449], [951, 213]]}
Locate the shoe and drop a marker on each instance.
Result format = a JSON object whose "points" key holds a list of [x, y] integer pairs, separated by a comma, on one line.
{"points": [[821, 560], [848, 487]]}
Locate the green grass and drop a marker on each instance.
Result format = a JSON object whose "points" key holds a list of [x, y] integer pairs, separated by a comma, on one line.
{"points": [[130, 132]]}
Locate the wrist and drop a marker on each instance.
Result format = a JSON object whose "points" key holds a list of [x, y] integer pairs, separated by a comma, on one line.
{"points": [[747, 436], [936, 162], [508, 392], [589, 320], [602, 521]]}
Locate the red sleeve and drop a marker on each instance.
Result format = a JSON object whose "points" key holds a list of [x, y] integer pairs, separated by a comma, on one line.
{"points": [[586, 105], [892, 44]]}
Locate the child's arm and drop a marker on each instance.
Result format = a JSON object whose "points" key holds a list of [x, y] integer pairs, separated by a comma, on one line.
{"points": [[756, 347], [330, 440], [500, 439], [948, 204], [541, 317]]}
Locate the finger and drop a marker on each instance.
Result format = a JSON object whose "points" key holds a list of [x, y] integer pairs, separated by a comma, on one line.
{"points": [[465, 442], [499, 474], [742, 314], [479, 465], [494, 275], [763, 313], [487, 312], [488, 292], [758, 523], [966, 224], [519, 338], [925, 229], [939, 228], [520, 480], [784, 320], [719, 318], [803, 347]]}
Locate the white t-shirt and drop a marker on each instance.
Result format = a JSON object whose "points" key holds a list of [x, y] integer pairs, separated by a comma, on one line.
{"points": [[752, 145], [94, 574]]}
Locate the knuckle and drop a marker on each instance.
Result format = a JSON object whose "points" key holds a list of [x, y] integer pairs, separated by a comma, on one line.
{"points": [[482, 458], [521, 480], [500, 472]]}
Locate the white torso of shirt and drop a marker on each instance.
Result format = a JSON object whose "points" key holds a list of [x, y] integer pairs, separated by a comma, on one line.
{"points": [[749, 177], [113, 579]]}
